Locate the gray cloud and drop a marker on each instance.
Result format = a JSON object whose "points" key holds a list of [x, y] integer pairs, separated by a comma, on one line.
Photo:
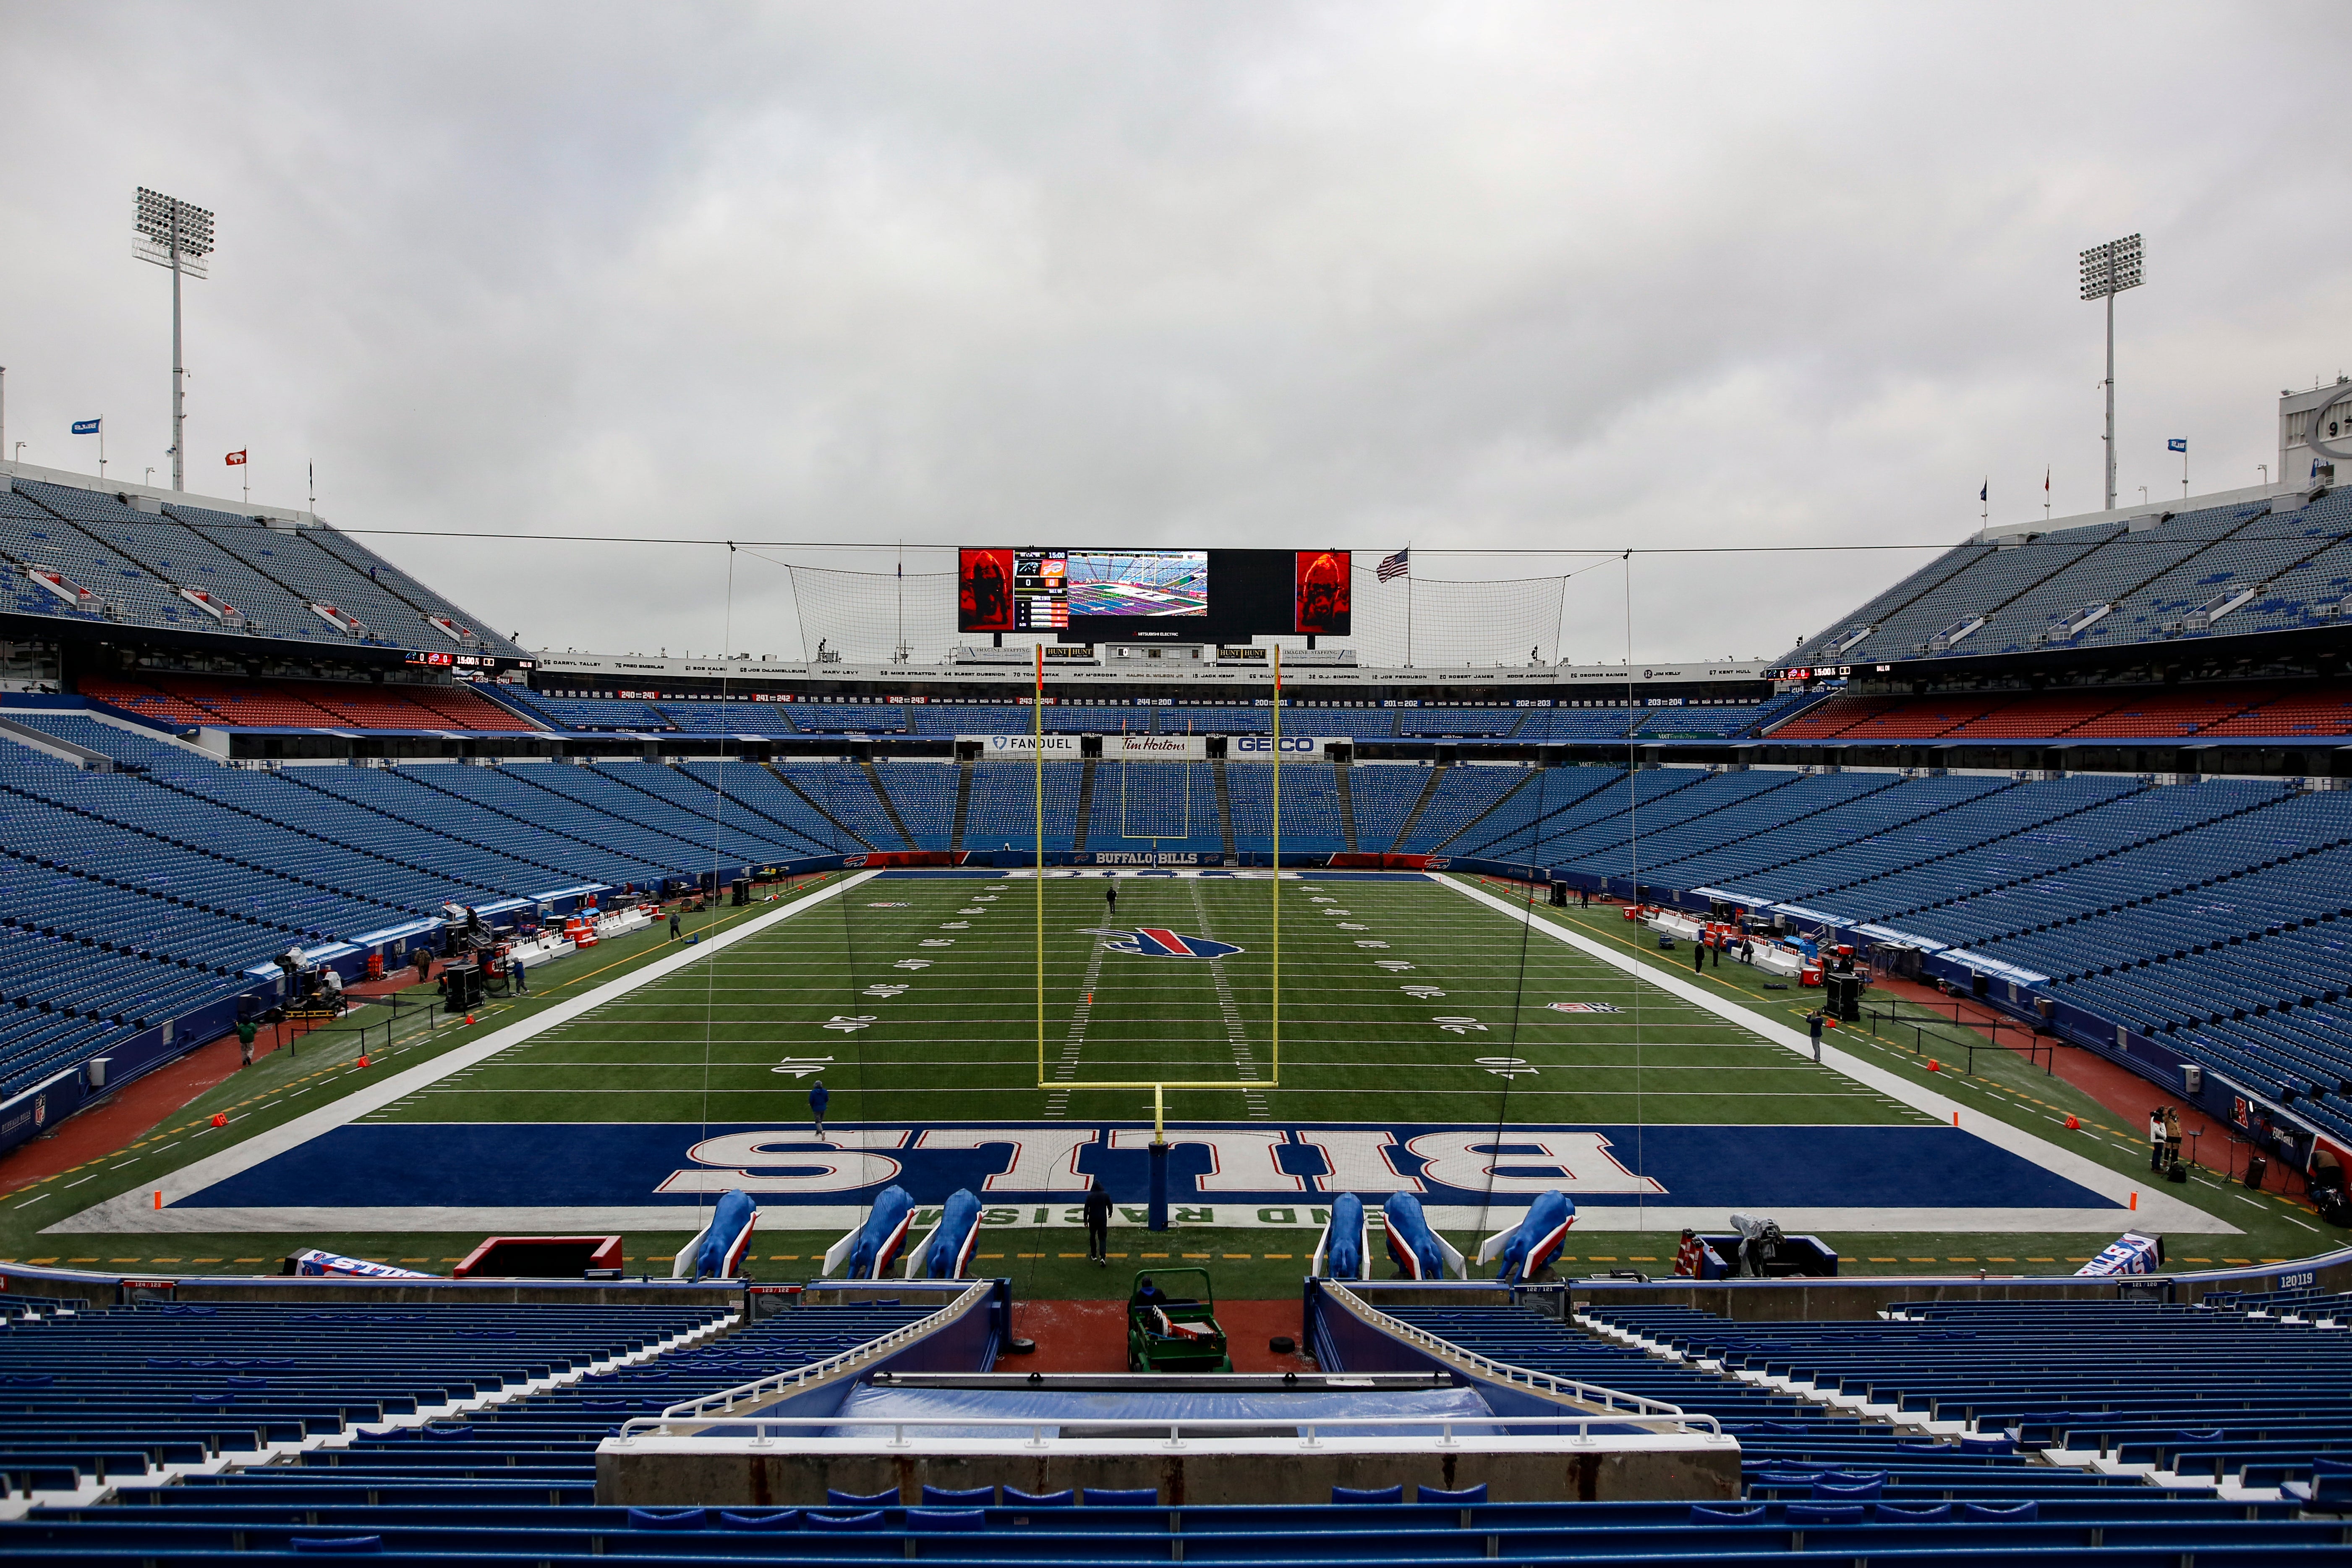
{"points": [[1480, 275]]}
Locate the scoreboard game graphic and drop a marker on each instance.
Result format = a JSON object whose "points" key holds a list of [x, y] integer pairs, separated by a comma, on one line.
{"points": [[1138, 583]]}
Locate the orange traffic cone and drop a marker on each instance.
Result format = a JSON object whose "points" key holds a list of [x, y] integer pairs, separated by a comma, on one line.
{"points": [[159, 1199], [469, 1017], [361, 1062], [220, 1118], [2073, 1124], [1935, 1066]]}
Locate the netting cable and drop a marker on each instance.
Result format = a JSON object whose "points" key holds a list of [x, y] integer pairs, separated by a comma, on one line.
{"points": [[1510, 1069], [718, 810], [1633, 875]]}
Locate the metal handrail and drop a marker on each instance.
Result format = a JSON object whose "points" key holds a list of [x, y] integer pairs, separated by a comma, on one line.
{"points": [[1503, 1372], [1305, 1429], [801, 1376]]}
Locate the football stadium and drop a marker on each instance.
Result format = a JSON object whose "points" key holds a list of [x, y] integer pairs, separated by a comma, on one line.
{"points": [[1124, 1051]]}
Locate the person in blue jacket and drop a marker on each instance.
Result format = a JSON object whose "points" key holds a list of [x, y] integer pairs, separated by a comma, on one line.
{"points": [[817, 1098]]}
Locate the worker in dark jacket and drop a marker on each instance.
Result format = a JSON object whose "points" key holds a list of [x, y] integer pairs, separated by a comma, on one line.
{"points": [[1098, 1223]]}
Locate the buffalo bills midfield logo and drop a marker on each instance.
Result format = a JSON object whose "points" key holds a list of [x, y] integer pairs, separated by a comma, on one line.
{"points": [[1152, 941]]}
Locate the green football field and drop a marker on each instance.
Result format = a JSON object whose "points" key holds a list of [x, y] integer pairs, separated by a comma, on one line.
{"points": [[1425, 1036], [918, 998]]}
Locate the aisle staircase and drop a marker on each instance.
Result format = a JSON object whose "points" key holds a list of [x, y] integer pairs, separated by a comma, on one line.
{"points": [[819, 807], [889, 806], [1087, 770], [963, 806], [1421, 803], [1347, 802], [1224, 809]]}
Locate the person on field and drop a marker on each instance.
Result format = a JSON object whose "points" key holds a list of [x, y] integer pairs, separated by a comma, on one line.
{"points": [[673, 925], [1698, 954], [514, 969], [2156, 1139], [1098, 1223], [245, 1030], [1110, 898], [2172, 1138], [1813, 1021], [818, 1098]]}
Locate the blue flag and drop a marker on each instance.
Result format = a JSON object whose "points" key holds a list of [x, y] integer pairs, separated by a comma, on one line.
{"points": [[86, 426], [2178, 444]]}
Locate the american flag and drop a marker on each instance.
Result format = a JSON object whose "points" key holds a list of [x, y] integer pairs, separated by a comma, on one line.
{"points": [[1395, 566]]}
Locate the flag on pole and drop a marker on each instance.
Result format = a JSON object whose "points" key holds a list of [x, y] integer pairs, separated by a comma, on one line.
{"points": [[1985, 493], [2045, 481], [2178, 444], [236, 458], [86, 426], [1395, 565]]}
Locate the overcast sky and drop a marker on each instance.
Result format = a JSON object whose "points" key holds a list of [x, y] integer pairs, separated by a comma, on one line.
{"points": [[1486, 276]]}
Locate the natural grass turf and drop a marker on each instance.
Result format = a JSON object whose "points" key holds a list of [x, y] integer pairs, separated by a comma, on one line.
{"points": [[960, 1042], [957, 1038]]}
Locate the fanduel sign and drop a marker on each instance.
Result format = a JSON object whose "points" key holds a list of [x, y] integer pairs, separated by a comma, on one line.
{"points": [[1026, 745]]}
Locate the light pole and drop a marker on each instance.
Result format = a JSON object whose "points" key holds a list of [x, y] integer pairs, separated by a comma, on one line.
{"points": [[174, 234], [2107, 270]]}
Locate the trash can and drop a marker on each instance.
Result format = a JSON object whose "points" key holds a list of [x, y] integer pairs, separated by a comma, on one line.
{"points": [[2256, 1169]]}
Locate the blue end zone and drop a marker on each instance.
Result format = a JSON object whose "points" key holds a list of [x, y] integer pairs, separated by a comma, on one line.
{"points": [[381, 1165]]}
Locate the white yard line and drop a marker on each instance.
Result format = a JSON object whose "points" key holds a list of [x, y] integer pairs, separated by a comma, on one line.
{"points": [[135, 1210], [2157, 1210]]}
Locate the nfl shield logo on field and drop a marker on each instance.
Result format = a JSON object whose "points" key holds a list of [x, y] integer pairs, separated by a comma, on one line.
{"points": [[1154, 943]]}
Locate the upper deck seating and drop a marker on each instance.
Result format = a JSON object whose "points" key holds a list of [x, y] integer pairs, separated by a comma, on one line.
{"points": [[2150, 582], [137, 562]]}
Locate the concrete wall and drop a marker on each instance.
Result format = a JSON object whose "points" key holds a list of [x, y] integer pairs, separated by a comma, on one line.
{"points": [[713, 1476]]}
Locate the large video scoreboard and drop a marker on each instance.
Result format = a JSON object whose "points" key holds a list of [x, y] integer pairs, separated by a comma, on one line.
{"points": [[1159, 595]]}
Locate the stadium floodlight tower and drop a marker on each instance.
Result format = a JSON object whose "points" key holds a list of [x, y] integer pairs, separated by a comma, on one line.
{"points": [[174, 234], [2107, 270]]}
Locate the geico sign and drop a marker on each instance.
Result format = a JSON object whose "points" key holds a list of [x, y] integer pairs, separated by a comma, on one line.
{"points": [[1265, 748]]}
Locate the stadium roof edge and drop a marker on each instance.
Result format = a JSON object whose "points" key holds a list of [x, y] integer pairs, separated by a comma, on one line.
{"points": [[2250, 493], [71, 480], [555, 666]]}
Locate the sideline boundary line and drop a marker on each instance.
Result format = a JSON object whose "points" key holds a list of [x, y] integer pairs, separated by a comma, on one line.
{"points": [[126, 1210], [2157, 1210]]}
